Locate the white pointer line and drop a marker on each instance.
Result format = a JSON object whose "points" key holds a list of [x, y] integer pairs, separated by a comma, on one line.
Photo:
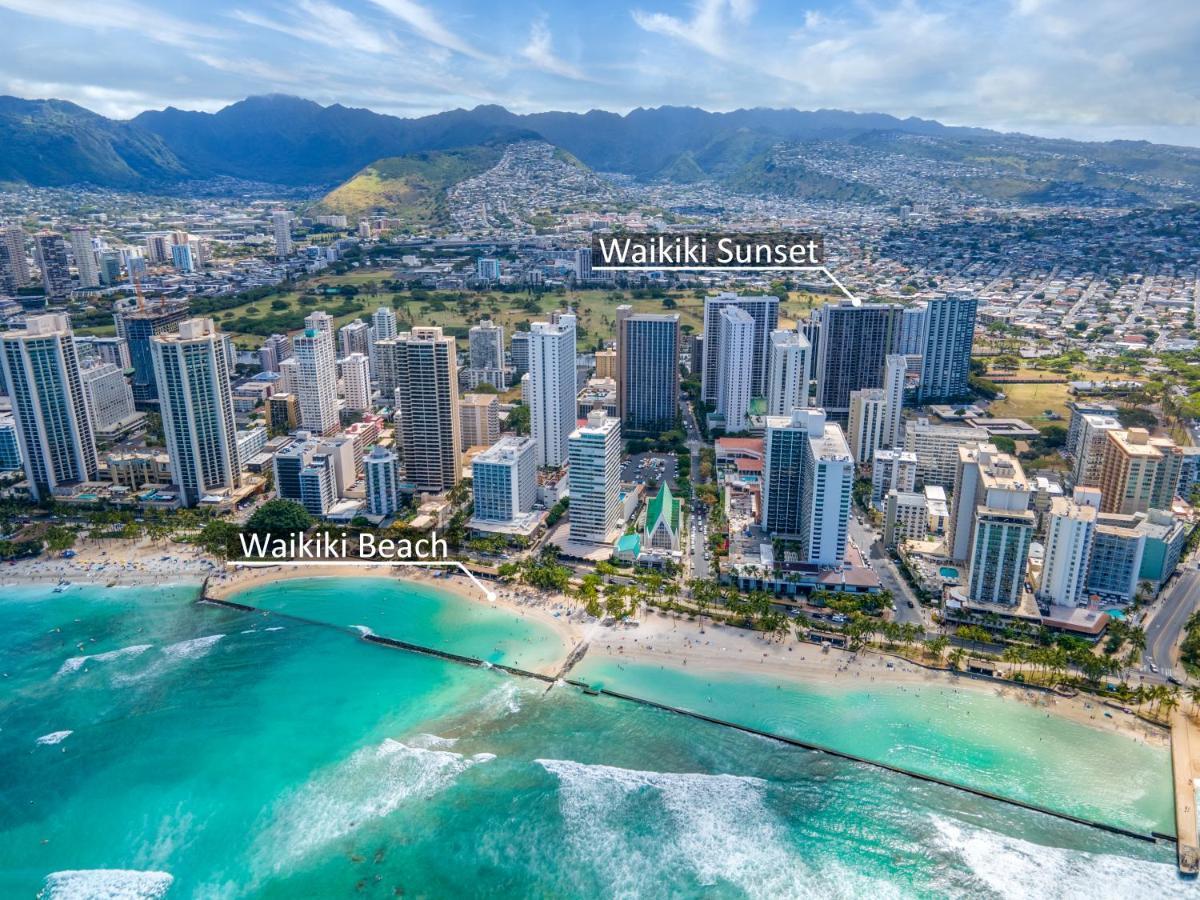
{"points": [[365, 564], [822, 269]]}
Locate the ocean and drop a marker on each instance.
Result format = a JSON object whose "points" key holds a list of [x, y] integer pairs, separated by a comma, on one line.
{"points": [[153, 747]]}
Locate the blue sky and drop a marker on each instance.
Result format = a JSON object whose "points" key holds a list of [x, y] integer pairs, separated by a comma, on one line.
{"points": [[1093, 69]]}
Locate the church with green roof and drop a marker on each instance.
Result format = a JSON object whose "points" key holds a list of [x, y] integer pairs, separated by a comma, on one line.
{"points": [[664, 519]]}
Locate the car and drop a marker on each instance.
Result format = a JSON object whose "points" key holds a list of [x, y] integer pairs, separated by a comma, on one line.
{"points": [[1154, 668], [909, 604]]}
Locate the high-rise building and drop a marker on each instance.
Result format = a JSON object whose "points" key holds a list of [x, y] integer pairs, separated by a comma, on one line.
{"points": [[552, 388], [606, 364], [110, 401], [504, 480], [383, 320], [51, 253], [85, 256], [868, 419], [110, 267], [808, 476], [991, 526], [647, 371], [41, 369], [138, 326], [735, 336], [1090, 441], [197, 410], [892, 470], [855, 341], [480, 420], [181, 258], [905, 516], [519, 350], [949, 337], [1138, 472], [10, 445], [485, 360], [594, 478], [1079, 409], [283, 412], [281, 224], [427, 391], [316, 381], [488, 269], [356, 381], [382, 469], [1118, 548], [321, 321], [787, 372], [158, 248], [936, 447], [1070, 532], [583, 264], [914, 325], [288, 377], [14, 265], [894, 368], [764, 311], [355, 337]]}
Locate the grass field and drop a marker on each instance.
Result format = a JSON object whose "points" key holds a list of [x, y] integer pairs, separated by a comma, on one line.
{"points": [[596, 308], [1031, 401]]}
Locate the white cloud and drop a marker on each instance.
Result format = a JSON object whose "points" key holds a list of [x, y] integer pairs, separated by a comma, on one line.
{"points": [[324, 23], [705, 30], [117, 15], [540, 53], [425, 24]]}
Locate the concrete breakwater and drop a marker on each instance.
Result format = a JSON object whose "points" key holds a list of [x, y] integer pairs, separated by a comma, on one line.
{"points": [[590, 690]]}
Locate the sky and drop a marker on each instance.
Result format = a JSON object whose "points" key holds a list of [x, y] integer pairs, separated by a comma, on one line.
{"points": [[1087, 69]]}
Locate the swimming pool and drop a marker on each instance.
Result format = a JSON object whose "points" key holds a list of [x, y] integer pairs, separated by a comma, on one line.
{"points": [[948, 572]]}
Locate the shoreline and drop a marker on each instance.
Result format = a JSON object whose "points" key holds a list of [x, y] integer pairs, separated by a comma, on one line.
{"points": [[228, 584], [651, 637], [725, 650]]}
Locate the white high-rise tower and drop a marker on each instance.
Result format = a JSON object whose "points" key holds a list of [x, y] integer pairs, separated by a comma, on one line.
{"points": [[191, 368], [316, 381], [41, 369], [552, 388]]}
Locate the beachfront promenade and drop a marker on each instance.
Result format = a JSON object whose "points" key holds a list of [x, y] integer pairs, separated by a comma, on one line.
{"points": [[1185, 766]]}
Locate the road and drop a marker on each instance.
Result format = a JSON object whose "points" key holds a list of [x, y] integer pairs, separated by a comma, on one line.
{"points": [[698, 566], [891, 579], [1166, 627]]}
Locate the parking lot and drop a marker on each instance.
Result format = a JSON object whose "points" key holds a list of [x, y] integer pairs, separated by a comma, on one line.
{"points": [[649, 467]]}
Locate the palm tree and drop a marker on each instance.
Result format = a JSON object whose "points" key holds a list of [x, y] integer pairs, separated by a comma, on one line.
{"points": [[1194, 696], [956, 658]]}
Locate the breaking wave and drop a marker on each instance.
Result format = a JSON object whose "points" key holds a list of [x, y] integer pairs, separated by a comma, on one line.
{"points": [[1012, 868], [105, 884], [75, 663], [371, 784], [54, 737], [708, 830]]}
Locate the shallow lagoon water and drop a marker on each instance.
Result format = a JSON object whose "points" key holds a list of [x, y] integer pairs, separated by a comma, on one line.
{"points": [[201, 751]]}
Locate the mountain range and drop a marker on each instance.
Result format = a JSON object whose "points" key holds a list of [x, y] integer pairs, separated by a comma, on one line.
{"points": [[294, 142]]}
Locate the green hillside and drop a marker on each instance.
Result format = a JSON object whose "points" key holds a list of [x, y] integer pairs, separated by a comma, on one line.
{"points": [[411, 188]]}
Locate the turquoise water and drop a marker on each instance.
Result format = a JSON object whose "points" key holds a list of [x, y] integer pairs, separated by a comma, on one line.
{"points": [[964, 736], [948, 572], [153, 747], [419, 614]]}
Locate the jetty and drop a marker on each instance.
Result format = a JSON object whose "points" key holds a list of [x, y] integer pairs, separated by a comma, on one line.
{"points": [[1185, 768], [590, 690]]}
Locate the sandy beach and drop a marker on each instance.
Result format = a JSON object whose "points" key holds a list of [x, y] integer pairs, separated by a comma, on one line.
{"points": [[110, 562], [662, 640]]}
